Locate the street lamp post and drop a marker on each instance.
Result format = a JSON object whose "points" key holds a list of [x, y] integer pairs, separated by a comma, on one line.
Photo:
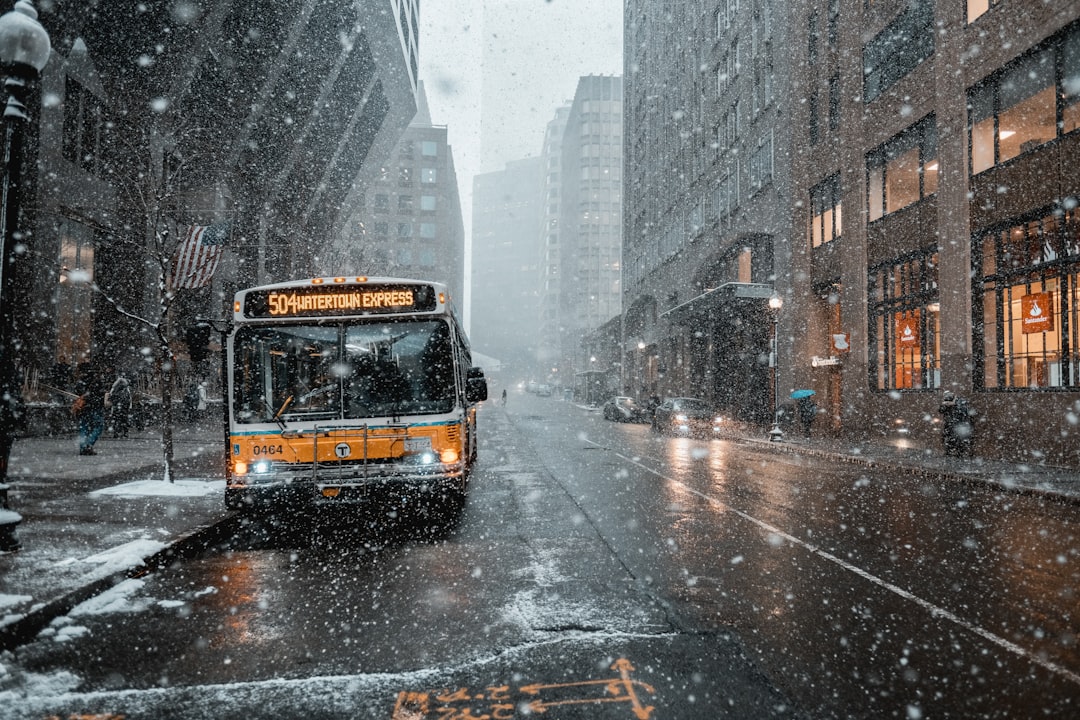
{"points": [[24, 50], [775, 303]]}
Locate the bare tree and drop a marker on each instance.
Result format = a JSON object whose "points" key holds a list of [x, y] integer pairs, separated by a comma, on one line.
{"points": [[155, 192]]}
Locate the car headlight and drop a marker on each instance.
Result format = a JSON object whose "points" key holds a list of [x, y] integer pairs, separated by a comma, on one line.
{"points": [[718, 420], [681, 418]]}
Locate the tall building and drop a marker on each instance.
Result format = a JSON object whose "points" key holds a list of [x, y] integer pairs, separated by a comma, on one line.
{"points": [[217, 124], [926, 234], [409, 223], [549, 352], [707, 199], [505, 277], [590, 217]]}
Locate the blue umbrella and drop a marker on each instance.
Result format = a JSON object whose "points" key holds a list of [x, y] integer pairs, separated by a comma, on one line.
{"points": [[800, 394]]}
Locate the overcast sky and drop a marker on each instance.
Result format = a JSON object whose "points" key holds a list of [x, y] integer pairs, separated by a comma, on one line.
{"points": [[496, 70]]}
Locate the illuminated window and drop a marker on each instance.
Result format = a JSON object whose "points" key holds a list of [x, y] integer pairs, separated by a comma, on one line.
{"points": [[1027, 290], [1016, 110], [976, 8], [428, 175], [902, 171], [905, 329], [825, 211], [427, 202], [75, 300], [428, 148]]}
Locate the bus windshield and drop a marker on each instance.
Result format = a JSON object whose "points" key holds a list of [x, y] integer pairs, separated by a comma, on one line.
{"points": [[342, 371]]}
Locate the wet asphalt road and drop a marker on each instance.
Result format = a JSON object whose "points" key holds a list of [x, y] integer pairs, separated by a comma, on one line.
{"points": [[601, 571]]}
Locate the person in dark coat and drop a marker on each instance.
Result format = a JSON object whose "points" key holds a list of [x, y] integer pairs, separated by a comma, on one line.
{"points": [[91, 409], [957, 425], [807, 410]]}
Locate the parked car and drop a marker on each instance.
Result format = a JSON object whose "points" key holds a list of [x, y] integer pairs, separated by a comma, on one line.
{"points": [[686, 416], [624, 409]]}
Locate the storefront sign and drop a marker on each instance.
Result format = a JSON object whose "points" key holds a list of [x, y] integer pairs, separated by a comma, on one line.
{"points": [[907, 332], [1038, 312], [841, 342]]}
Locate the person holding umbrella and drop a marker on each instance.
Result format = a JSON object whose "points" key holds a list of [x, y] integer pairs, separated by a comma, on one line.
{"points": [[806, 408]]}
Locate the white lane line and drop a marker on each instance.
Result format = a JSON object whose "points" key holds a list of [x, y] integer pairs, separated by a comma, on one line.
{"points": [[933, 609]]}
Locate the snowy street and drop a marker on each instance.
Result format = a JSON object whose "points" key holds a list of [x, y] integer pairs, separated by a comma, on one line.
{"points": [[598, 570]]}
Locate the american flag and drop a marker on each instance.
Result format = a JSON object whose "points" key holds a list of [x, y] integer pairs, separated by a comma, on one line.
{"points": [[198, 255]]}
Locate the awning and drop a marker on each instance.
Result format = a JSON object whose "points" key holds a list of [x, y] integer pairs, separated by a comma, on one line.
{"points": [[727, 296]]}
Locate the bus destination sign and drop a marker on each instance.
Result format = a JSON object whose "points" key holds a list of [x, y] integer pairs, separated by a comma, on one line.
{"points": [[339, 300]]}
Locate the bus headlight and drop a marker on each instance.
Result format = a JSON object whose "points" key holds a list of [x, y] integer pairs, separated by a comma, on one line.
{"points": [[261, 467], [448, 456]]}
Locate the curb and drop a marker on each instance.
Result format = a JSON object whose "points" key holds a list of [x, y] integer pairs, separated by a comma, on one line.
{"points": [[27, 627]]}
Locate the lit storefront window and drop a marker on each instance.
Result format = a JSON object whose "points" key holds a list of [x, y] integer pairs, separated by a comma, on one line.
{"points": [[1027, 291], [905, 328]]}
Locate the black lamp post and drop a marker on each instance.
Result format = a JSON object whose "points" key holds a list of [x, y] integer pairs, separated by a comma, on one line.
{"points": [[24, 50], [775, 303]]}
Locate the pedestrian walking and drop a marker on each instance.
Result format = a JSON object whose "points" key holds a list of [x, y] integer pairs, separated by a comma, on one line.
{"points": [[120, 406], [89, 408], [504, 397], [957, 425]]}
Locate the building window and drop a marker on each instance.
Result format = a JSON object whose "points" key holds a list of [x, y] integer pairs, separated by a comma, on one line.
{"points": [[761, 164], [382, 229], [426, 257], [825, 211], [427, 230], [428, 176], [905, 329], [811, 38], [404, 203], [1016, 109], [976, 8], [1027, 279], [813, 122], [382, 202], [727, 195], [898, 49], [406, 151], [429, 148], [834, 102], [405, 177], [75, 296], [83, 125], [404, 229], [902, 171], [428, 203], [834, 22]]}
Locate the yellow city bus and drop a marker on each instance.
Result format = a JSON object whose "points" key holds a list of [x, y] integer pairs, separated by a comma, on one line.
{"points": [[342, 387]]}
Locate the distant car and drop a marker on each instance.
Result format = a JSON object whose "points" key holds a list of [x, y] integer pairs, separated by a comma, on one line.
{"points": [[686, 416], [543, 390], [624, 409]]}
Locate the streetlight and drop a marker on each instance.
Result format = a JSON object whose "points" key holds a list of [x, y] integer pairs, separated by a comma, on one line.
{"points": [[775, 303], [24, 50]]}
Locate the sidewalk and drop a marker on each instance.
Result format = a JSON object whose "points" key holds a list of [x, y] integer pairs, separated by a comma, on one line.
{"points": [[87, 521], [1057, 483]]}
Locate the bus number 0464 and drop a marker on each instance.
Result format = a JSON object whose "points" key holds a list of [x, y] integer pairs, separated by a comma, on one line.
{"points": [[267, 450]]}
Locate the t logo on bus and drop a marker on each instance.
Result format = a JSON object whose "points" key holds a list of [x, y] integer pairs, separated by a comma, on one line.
{"points": [[342, 450]]}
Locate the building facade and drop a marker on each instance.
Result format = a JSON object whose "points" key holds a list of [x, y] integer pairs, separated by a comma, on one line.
{"points": [[707, 223], [590, 222], [410, 223], [505, 277], [932, 239], [549, 353], [940, 242], [166, 120]]}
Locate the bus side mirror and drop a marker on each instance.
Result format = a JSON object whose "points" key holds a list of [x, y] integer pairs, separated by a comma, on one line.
{"points": [[476, 385]]}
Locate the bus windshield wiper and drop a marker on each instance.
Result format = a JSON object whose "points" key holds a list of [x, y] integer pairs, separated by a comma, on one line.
{"points": [[277, 416]]}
